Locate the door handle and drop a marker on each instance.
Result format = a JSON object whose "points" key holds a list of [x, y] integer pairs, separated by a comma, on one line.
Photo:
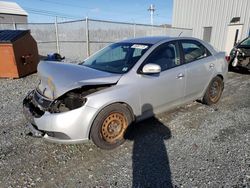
{"points": [[180, 76], [211, 66]]}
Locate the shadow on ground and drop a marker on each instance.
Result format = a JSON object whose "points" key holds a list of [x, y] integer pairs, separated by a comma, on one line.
{"points": [[150, 159], [239, 70]]}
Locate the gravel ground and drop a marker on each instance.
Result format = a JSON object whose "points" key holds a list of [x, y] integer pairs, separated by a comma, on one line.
{"points": [[192, 146]]}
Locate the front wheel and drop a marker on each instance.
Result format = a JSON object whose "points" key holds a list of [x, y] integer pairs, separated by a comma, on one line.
{"points": [[214, 91], [108, 129]]}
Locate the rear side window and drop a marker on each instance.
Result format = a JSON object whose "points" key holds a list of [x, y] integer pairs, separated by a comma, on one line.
{"points": [[193, 50]]}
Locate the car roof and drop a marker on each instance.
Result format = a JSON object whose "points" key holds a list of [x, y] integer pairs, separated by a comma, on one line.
{"points": [[156, 39], [147, 40]]}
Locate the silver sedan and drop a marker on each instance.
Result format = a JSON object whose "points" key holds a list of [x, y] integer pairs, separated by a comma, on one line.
{"points": [[123, 83]]}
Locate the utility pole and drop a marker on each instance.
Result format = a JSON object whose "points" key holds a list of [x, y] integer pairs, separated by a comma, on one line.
{"points": [[151, 9]]}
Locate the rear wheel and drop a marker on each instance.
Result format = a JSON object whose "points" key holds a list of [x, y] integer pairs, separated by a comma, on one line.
{"points": [[108, 129], [214, 91]]}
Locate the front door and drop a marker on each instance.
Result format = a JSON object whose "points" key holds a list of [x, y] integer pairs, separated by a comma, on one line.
{"points": [[233, 37], [160, 92]]}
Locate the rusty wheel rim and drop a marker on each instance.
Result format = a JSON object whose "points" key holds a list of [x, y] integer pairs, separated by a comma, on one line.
{"points": [[214, 92], [113, 127]]}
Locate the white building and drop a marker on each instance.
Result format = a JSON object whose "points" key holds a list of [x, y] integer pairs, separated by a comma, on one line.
{"points": [[220, 22], [11, 12]]}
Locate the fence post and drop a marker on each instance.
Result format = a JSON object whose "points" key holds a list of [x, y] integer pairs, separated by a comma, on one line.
{"points": [[87, 36], [14, 26], [134, 30], [57, 37]]}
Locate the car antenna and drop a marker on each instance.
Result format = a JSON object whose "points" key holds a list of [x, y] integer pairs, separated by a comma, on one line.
{"points": [[180, 34]]}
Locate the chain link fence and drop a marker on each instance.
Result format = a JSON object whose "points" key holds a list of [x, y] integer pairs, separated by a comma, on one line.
{"points": [[78, 39]]}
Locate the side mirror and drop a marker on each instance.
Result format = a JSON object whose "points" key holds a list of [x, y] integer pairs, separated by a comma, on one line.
{"points": [[151, 69]]}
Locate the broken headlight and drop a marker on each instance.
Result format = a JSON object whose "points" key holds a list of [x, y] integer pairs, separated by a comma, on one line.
{"points": [[69, 101], [75, 98]]}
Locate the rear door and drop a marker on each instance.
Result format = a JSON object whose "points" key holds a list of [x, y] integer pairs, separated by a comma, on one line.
{"points": [[199, 68]]}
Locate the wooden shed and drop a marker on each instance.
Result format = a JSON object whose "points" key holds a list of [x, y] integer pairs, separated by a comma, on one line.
{"points": [[18, 53]]}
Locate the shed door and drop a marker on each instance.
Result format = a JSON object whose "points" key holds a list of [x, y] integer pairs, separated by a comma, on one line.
{"points": [[233, 36], [7, 62]]}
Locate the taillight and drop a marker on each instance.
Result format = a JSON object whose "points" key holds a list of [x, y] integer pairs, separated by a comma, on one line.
{"points": [[227, 58]]}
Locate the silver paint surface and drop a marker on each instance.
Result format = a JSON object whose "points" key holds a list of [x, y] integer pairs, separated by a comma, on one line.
{"points": [[145, 94]]}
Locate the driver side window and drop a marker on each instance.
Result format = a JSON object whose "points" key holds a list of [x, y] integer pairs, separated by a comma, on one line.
{"points": [[166, 56]]}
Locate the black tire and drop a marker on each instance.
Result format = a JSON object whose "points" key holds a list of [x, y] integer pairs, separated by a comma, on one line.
{"points": [[231, 68], [110, 125], [214, 91]]}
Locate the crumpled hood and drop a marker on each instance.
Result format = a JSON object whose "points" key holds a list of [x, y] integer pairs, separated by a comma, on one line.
{"points": [[58, 78]]}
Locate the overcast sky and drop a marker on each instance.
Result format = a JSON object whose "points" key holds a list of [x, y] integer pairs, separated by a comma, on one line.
{"points": [[114, 10]]}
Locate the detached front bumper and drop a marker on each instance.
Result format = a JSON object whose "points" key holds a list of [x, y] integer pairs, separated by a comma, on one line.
{"points": [[66, 127]]}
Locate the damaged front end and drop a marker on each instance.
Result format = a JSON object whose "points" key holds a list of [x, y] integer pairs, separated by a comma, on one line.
{"points": [[34, 106], [240, 57], [57, 109], [37, 107]]}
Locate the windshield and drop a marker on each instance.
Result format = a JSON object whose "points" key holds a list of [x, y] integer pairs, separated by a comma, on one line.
{"points": [[117, 58], [246, 42]]}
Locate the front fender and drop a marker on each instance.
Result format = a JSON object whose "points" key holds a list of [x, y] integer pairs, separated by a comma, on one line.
{"points": [[116, 94]]}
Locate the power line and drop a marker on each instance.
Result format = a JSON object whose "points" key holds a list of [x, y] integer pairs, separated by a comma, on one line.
{"points": [[59, 14], [53, 13], [45, 12], [64, 4], [90, 8]]}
